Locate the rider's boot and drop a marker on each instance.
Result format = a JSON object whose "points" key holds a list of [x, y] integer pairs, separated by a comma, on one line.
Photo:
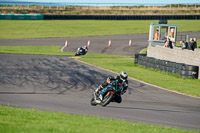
{"points": [[100, 97]]}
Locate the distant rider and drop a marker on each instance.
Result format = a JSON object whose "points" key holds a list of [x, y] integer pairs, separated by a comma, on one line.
{"points": [[82, 50], [122, 79]]}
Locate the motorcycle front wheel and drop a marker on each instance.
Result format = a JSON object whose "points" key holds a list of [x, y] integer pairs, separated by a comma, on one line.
{"points": [[92, 102], [107, 98]]}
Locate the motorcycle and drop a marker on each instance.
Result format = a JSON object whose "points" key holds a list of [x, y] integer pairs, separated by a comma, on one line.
{"points": [[81, 51], [107, 94]]}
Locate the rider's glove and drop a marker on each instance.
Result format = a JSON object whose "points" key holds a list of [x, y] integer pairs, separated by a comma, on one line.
{"points": [[108, 80]]}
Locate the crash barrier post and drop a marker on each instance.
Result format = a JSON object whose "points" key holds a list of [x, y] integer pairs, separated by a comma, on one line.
{"points": [[66, 44], [183, 70], [21, 17], [109, 43]]}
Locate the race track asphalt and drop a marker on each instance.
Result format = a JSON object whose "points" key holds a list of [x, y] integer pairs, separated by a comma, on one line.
{"points": [[63, 84], [98, 44]]}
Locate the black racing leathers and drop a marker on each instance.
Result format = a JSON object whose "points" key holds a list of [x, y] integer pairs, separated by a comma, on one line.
{"points": [[118, 98]]}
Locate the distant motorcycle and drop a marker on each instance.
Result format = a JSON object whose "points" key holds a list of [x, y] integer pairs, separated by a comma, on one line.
{"points": [[108, 94], [81, 51]]}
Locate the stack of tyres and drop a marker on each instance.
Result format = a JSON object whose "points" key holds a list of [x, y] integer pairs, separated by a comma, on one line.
{"points": [[174, 70], [179, 68], [136, 58], [141, 59], [151, 62], [157, 64], [162, 65], [167, 66], [184, 70], [188, 71]]}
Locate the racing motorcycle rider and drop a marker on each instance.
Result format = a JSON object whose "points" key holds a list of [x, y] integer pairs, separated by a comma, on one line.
{"points": [[122, 77], [83, 49]]}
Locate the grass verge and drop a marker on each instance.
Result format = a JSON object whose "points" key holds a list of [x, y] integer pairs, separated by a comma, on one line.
{"points": [[18, 120], [44, 50], [152, 76], [118, 63], [76, 28]]}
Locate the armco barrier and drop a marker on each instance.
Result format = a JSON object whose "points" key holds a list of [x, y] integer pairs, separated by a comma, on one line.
{"points": [[184, 70], [119, 17], [21, 17]]}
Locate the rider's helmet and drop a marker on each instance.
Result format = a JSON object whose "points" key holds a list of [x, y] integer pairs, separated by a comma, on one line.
{"points": [[123, 75], [85, 47]]}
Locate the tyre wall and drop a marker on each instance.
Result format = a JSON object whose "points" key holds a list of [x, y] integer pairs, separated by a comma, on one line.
{"points": [[184, 70], [119, 17], [175, 55], [96, 17]]}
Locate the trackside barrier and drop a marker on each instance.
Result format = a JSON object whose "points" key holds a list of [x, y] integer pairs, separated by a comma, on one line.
{"points": [[120, 17], [176, 54], [21, 17], [95, 17], [184, 70]]}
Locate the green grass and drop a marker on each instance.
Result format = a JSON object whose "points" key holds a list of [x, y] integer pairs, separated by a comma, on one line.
{"points": [[76, 28], [118, 63], [18, 120], [143, 51], [152, 76], [44, 50]]}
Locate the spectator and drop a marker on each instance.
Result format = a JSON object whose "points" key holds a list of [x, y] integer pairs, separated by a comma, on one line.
{"points": [[171, 32], [168, 44], [184, 45], [195, 43], [156, 35], [191, 44]]}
